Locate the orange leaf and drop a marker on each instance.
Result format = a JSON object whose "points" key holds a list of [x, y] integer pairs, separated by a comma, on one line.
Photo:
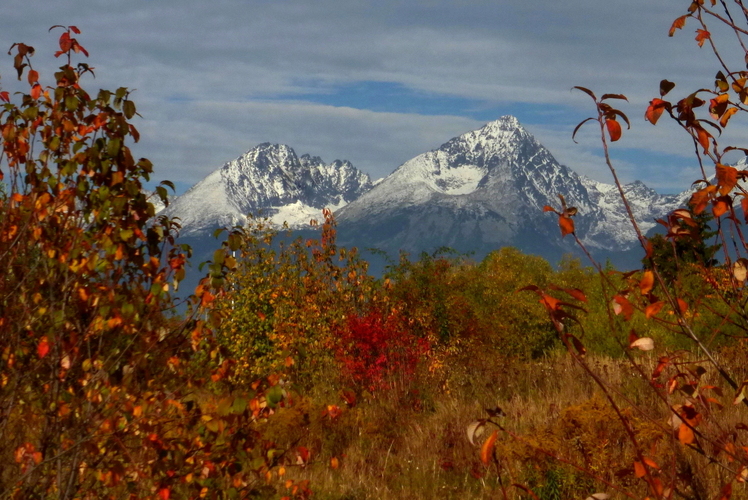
{"points": [[639, 470], [614, 129], [164, 493], [677, 25], [33, 77], [43, 347], [647, 282], [682, 306], [334, 462], [727, 178], [486, 451], [550, 302], [726, 117], [703, 137], [653, 309], [685, 434], [36, 91], [621, 305], [566, 224], [654, 111], [720, 206], [702, 36], [699, 200]]}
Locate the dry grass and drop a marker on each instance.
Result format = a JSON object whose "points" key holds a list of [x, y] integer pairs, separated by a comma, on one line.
{"points": [[412, 442]]}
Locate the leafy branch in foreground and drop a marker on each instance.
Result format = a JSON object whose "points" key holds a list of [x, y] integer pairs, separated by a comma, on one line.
{"points": [[105, 392], [700, 426]]}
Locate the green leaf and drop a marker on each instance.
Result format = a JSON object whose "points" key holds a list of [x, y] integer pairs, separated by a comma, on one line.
{"points": [[113, 147], [71, 103], [274, 396], [219, 256], [213, 425], [239, 406], [129, 109]]}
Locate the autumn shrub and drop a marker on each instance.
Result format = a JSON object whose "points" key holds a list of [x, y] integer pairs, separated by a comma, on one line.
{"points": [[285, 300], [105, 392], [378, 349]]}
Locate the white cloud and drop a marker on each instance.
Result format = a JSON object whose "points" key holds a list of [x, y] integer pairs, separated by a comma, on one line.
{"points": [[206, 72]]}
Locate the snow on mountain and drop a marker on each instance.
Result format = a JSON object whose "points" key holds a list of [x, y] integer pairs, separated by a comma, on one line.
{"points": [[612, 226], [486, 189], [477, 192], [268, 180], [156, 201]]}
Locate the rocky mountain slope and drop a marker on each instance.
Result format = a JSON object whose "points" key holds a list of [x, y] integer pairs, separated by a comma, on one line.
{"points": [[268, 180], [486, 189], [477, 192]]}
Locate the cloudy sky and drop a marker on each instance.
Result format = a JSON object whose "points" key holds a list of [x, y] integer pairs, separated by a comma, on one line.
{"points": [[376, 82]]}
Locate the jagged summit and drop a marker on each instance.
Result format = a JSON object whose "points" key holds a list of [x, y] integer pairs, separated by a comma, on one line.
{"points": [[486, 189], [476, 192], [271, 180]]}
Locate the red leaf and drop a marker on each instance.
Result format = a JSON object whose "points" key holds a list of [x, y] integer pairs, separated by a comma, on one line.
{"points": [[75, 30], [614, 129], [65, 42], [5, 96], [43, 347], [164, 493], [33, 77], [566, 224]]}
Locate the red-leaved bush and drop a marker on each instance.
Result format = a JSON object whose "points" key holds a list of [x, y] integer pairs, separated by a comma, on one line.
{"points": [[376, 347]]}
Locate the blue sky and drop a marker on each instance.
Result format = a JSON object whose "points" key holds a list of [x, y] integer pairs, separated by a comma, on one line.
{"points": [[377, 82]]}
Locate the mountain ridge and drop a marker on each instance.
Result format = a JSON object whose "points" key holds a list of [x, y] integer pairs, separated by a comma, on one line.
{"points": [[476, 192]]}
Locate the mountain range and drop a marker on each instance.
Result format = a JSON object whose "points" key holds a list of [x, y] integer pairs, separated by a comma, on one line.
{"points": [[475, 193]]}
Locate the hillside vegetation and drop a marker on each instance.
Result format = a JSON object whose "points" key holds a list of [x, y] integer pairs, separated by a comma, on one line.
{"points": [[293, 372]]}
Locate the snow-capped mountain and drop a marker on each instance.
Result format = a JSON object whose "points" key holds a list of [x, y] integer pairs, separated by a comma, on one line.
{"points": [[477, 192], [268, 180], [486, 189]]}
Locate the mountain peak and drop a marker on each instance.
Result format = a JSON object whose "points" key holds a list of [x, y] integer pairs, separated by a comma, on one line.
{"points": [[269, 179]]}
